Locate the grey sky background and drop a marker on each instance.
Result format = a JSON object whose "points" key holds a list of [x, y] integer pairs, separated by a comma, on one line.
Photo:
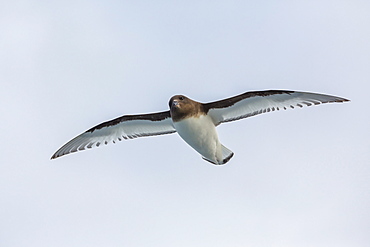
{"points": [[298, 178]]}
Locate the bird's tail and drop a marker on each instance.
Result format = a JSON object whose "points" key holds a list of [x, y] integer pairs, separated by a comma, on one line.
{"points": [[227, 154]]}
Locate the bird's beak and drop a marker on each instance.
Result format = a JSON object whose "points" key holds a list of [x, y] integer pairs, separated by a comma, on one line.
{"points": [[175, 103]]}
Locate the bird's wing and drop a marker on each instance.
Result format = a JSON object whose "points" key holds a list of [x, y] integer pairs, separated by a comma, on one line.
{"points": [[253, 103], [125, 127]]}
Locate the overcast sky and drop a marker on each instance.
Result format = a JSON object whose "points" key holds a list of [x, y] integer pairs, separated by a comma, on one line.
{"points": [[298, 178]]}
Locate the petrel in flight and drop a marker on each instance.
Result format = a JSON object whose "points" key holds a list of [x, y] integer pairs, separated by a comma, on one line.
{"points": [[195, 122]]}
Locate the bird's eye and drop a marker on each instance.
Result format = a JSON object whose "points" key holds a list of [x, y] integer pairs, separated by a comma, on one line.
{"points": [[181, 98]]}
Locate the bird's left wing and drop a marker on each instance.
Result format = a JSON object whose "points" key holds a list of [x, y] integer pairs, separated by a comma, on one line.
{"points": [[253, 103], [125, 127]]}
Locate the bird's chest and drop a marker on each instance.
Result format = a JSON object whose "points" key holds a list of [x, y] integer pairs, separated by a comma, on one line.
{"points": [[198, 132]]}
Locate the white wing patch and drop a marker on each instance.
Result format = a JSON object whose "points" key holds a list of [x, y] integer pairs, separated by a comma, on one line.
{"points": [[129, 129], [254, 105]]}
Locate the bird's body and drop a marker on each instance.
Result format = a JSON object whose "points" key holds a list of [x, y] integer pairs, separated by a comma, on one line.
{"points": [[195, 122], [200, 133]]}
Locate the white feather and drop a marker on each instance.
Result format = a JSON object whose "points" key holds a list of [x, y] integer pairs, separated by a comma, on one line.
{"points": [[200, 133]]}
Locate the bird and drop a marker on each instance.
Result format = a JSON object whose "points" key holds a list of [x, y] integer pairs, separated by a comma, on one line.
{"points": [[195, 122]]}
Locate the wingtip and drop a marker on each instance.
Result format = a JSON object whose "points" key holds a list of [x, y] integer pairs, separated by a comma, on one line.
{"points": [[342, 100], [54, 156]]}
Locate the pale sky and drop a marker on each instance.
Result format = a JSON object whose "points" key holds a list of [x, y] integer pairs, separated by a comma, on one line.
{"points": [[298, 178]]}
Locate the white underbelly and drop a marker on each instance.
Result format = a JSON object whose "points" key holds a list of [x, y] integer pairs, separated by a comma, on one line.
{"points": [[200, 133]]}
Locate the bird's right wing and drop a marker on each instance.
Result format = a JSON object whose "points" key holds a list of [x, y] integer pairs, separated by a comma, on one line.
{"points": [[125, 127], [253, 103]]}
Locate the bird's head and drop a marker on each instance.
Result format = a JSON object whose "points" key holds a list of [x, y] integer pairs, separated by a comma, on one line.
{"points": [[182, 107]]}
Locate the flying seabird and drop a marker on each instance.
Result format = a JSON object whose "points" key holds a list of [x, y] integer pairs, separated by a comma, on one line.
{"points": [[195, 122]]}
